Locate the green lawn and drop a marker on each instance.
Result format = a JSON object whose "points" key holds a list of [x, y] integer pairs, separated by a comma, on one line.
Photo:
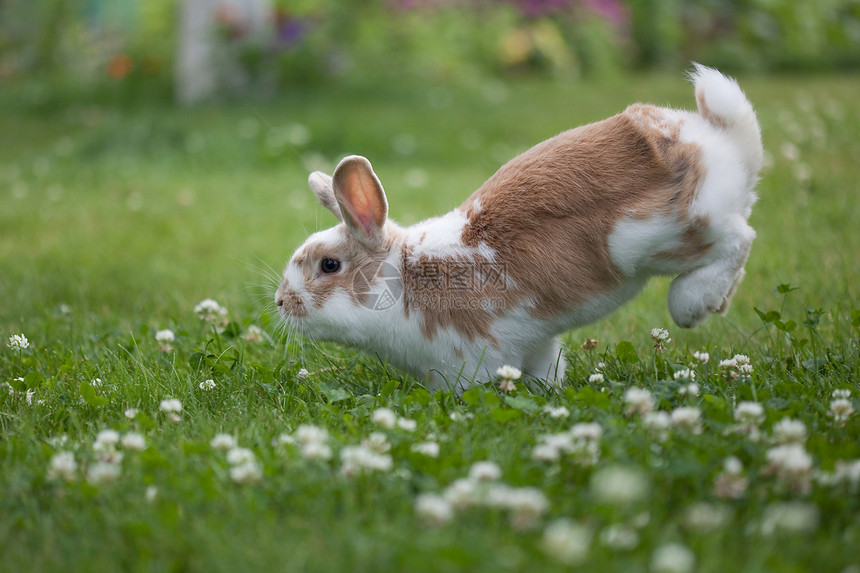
{"points": [[117, 220]]}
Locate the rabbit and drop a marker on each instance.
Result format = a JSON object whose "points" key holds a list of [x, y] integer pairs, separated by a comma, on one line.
{"points": [[557, 238]]}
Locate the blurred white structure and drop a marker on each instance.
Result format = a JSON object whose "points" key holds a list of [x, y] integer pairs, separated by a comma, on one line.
{"points": [[203, 64]]}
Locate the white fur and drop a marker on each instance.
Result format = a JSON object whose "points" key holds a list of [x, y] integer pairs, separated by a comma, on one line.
{"points": [[432, 238]]}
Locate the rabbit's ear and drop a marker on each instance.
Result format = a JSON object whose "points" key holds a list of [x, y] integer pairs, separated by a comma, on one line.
{"points": [[320, 184], [361, 199]]}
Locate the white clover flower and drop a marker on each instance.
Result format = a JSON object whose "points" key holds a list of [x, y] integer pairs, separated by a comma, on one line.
{"points": [[591, 431], [563, 442], [619, 485], [254, 335], [596, 378], [406, 424], [685, 374], [660, 337], [429, 449], [238, 456], [789, 151], [733, 465], [462, 493], [841, 409], [789, 431], [58, 441], [151, 494], [102, 472], [207, 385], [433, 509], [749, 413], [585, 447], [582, 441], [246, 472], [701, 357], [63, 465], [673, 558], [316, 451], [461, 416], [639, 401], [744, 367], [705, 517], [847, 472], [485, 471], [687, 418], [106, 440], [619, 537], [841, 394], [525, 504], [384, 417], [658, 424], [224, 442], [590, 344], [302, 374], [789, 517], [18, 342], [170, 406], [377, 442], [509, 373], [131, 413], [545, 452], [566, 541], [133, 441], [165, 339], [507, 386], [556, 412], [209, 310], [307, 434], [361, 459], [691, 389], [792, 465]]}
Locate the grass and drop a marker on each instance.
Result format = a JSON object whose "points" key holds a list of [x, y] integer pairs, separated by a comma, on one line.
{"points": [[117, 220]]}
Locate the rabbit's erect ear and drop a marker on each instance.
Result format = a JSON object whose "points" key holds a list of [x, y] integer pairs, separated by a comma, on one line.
{"points": [[361, 199], [320, 183]]}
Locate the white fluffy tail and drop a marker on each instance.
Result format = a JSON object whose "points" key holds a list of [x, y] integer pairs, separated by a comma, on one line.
{"points": [[722, 103]]}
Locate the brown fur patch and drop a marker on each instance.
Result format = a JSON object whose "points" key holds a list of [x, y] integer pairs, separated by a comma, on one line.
{"points": [[694, 245], [549, 212], [463, 293]]}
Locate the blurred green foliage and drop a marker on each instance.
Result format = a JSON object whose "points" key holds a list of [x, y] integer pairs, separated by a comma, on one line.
{"points": [[129, 46]]}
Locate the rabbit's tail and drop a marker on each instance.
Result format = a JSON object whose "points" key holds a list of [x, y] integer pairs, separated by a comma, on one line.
{"points": [[722, 104]]}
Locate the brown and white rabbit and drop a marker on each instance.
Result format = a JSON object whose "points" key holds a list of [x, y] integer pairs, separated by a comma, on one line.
{"points": [[559, 237]]}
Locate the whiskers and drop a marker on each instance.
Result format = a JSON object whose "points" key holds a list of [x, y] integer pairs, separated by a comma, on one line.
{"points": [[286, 332]]}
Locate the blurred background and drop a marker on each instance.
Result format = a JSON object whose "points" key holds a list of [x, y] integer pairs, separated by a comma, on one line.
{"points": [[194, 50], [154, 153]]}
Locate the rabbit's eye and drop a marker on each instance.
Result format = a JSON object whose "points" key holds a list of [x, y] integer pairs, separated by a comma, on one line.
{"points": [[329, 266]]}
